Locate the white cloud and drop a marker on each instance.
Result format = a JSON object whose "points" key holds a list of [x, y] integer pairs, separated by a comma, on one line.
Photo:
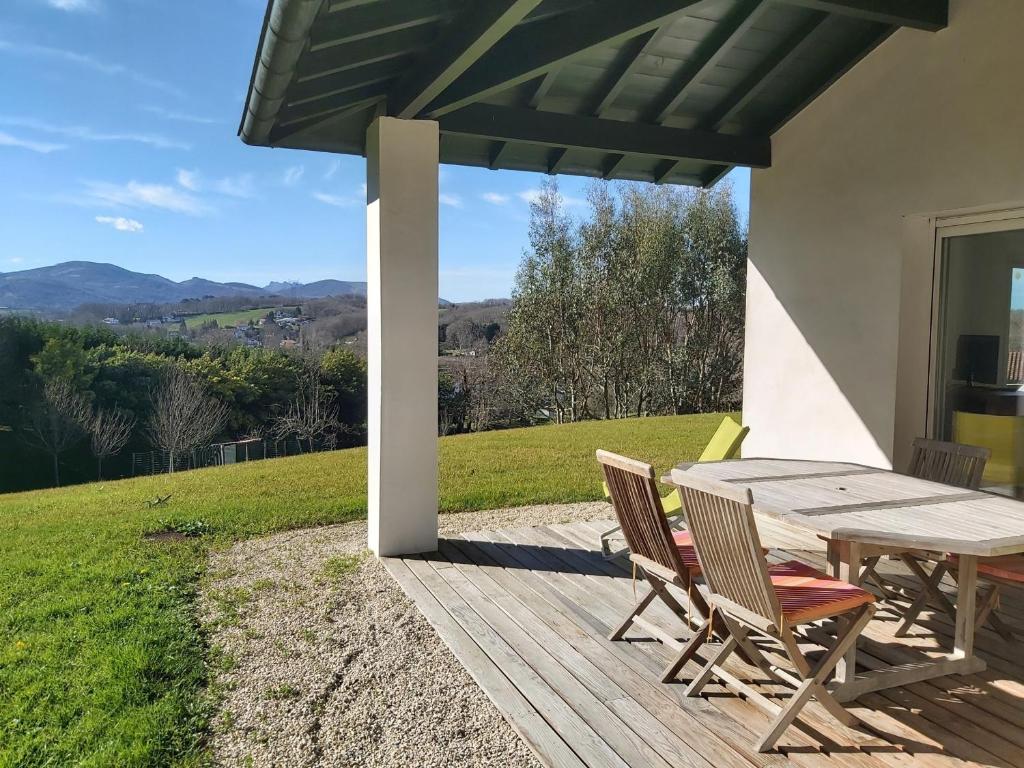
{"points": [[236, 186], [120, 223], [338, 201], [6, 140], [495, 198], [181, 117], [73, 5], [242, 186], [88, 134], [293, 175], [332, 169], [188, 179], [134, 194], [447, 198], [86, 61], [16, 260]]}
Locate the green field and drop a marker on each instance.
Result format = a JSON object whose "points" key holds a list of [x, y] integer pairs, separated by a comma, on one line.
{"points": [[231, 319], [102, 660]]}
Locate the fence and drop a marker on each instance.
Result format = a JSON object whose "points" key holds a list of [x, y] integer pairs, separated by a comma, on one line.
{"points": [[159, 462]]}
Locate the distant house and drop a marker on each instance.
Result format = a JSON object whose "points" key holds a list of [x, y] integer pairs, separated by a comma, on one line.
{"points": [[289, 344], [111, 321]]}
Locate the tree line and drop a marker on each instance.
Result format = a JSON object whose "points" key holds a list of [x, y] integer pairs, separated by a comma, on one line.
{"points": [[81, 396], [633, 308]]}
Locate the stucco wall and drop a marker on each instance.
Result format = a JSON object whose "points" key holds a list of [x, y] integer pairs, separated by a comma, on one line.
{"points": [[839, 234]]}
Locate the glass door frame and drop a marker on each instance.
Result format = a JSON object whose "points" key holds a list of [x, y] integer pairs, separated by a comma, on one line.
{"points": [[1003, 220]]}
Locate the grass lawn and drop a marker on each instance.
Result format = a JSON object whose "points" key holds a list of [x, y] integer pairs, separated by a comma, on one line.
{"points": [[102, 660], [231, 319]]}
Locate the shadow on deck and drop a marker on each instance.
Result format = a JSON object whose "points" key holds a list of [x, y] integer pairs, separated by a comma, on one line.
{"points": [[527, 613]]}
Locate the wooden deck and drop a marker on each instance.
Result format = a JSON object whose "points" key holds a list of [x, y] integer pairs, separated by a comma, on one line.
{"points": [[527, 613]]}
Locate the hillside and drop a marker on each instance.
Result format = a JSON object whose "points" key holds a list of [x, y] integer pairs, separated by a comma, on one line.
{"points": [[69, 284], [101, 625]]}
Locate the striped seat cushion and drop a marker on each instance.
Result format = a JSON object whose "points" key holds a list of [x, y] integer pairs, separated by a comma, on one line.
{"points": [[807, 594], [1004, 567], [684, 543]]}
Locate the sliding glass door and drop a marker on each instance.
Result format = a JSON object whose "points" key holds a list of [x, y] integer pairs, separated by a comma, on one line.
{"points": [[978, 346]]}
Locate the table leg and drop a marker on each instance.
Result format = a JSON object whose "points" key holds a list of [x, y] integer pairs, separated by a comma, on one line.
{"points": [[849, 571], [967, 593], [832, 553]]}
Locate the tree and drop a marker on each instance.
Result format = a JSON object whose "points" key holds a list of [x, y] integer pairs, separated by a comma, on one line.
{"points": [[635, 309], [109, 433], [62, 358], [344, 373], [545, 324], [58, 421], [312, 416], [183, 415]]}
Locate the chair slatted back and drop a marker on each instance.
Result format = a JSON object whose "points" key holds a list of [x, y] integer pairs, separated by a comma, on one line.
{"points": [[949, 463], [720, 517], [638, 507]]}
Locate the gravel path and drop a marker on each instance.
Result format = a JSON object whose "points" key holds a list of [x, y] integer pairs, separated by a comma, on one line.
{"points": [[321, 660]]}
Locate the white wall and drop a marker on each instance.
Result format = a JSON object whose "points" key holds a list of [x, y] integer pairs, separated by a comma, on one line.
{"points": [[839, 234]]}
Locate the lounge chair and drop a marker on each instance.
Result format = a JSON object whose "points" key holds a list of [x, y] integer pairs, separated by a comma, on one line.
{"points": [[755, 599], [724, 444]]}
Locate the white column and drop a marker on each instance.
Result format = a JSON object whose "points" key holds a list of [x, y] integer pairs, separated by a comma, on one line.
{"points": [[401, 261]]}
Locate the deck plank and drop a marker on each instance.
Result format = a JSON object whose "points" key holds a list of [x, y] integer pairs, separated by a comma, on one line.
{"points": [[527, 613]]}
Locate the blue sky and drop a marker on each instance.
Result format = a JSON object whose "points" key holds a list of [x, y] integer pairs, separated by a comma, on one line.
{"points": [[118, 143]]}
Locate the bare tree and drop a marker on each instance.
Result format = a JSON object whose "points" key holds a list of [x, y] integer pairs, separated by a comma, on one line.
{"points": [[184, 416], [58, 422], [109, 432], [312, 416]]}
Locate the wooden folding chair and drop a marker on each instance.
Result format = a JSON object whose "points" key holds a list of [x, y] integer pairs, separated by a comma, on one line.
{"points": [[944, 462], [1007, 570], [662, 557], [952, 464], [724, 444], [754, 599]]}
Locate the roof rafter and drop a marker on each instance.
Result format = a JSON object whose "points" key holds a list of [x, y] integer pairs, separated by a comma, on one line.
{"points": [[371, 20], [625, 64], [718, 44], [558, 130], [531, 51], [931, 15], [845, 60], [498, 153], [458, 49], [707, 56], [305, 91], [358, 53], [784, 53], [325, 108]]}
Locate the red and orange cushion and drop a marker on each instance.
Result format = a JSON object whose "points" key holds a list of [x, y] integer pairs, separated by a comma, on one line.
{"points": [[684, 543], [1004, 567], [807, 594]]}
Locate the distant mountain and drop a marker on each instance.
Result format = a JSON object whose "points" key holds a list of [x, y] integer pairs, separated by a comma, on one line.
{"points": [[68, 285], [318, 289]]}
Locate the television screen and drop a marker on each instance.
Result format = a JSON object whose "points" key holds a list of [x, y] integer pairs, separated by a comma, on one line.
{"points": [[977, 359]]}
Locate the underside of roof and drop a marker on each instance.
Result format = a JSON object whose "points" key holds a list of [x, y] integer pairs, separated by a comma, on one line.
{"points": [[675, 91]]}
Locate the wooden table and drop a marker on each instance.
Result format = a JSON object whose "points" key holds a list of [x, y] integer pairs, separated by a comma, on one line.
{"points": [[862, 506]]}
